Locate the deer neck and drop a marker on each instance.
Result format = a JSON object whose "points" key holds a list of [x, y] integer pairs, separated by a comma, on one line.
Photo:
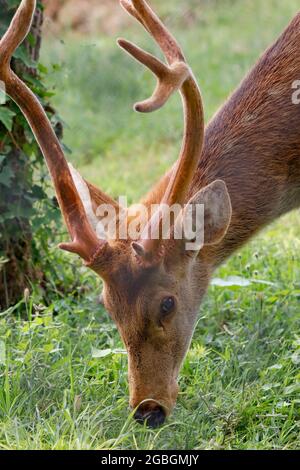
{"points": [[253, 144]]}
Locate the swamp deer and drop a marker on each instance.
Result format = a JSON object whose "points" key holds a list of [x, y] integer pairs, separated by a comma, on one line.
{"points": [[245, 170]]}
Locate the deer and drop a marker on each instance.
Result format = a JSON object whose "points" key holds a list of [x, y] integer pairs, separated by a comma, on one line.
{"points": [[243, 168]]}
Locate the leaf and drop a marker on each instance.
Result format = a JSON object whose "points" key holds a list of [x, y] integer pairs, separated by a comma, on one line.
{"points": [[236, 281], [98, 353], [295, 358], [3, 95], [42, 68], [38, 192], [31, 39], [275, 367], [267, 387], [6, 175], [292, 389], [34, 81], [6, 117], [231, 281], [22, 54], [2, 353], [260, 281], [13, 3], [119, 351]]}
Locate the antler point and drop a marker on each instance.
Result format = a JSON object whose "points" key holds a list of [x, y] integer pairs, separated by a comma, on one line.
{"points": [[137, 107], [121, 41]]}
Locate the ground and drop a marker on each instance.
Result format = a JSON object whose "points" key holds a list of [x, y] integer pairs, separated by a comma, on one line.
{"points": [[62, 364]]}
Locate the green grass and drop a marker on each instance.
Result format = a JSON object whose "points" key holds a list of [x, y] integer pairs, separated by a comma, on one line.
{"points": [[240, 384]]}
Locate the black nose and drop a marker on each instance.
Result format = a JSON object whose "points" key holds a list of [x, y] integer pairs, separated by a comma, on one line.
{"points": [[154, 417]]}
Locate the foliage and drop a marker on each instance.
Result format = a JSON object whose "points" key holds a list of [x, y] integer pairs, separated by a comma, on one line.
{"points": [[24, 203], [63, 371]]}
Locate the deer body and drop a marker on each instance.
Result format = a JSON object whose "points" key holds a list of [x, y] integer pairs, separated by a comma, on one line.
{"points": [[244, 171]]}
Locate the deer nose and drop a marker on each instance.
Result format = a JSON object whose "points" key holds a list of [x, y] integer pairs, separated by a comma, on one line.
{"points": [[154, 416]]}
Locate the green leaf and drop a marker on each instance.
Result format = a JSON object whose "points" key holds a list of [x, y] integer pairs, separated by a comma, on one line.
{"points": [[267, 387], [275, 367], [38, 192], [237, 281], [3, 95], [6, 176], [98, 353], [6, 117], [31, 39], [13, 3], [34, 81], [2, 353], [42, 68], [22, 54], [231, 281], [295, 358], [292, 389]]}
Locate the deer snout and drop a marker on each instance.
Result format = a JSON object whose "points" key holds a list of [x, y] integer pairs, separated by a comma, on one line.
{"points": [[151, 413]]}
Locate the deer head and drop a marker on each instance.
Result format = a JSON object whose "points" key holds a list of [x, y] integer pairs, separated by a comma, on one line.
{"points": [[152, 286]]}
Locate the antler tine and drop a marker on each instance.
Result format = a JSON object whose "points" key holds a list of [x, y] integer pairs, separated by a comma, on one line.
{"points": [[127, 5], [169, 79], [140, 10], [84, 240]]}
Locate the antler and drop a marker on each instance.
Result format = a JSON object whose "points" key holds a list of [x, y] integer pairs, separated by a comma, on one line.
{"points": [[171, 78], [84, 240]]}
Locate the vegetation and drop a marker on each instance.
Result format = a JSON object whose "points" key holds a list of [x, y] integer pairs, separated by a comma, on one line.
{"points": [[24, 203], [63, 370]]}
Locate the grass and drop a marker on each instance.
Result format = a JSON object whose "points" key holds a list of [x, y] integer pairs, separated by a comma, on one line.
{"points": [[63, 371]]}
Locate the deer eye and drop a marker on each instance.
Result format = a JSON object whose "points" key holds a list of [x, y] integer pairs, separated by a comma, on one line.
{"points": [[167, 305]]}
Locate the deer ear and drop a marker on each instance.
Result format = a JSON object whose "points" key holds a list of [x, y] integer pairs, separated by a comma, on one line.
{"points": [[208, 213]]}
